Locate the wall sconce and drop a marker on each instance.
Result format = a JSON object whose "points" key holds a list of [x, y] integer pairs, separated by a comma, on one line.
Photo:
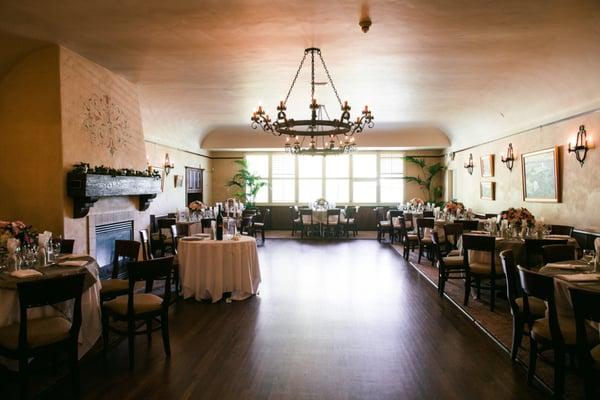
{"points": [[581, 146], [469, 165], [168, 164], [509, 159]]}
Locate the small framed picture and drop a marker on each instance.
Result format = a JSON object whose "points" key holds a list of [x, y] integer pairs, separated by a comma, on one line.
{"points": [[178, 180], [541, 176], [488, 190], [487, 166]]}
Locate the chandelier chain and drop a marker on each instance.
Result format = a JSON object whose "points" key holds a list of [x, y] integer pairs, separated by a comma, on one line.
{"points": [[294, 80], [330, 80]]}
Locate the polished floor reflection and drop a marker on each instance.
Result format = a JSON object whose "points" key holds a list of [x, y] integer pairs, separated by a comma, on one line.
{"points": [[335, 320]]}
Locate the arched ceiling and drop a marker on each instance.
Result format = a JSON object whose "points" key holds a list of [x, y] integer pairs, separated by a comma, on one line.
{"points": [[476, 69]]}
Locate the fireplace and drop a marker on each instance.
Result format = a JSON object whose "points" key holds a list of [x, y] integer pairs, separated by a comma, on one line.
{"points": [[106, 234]]}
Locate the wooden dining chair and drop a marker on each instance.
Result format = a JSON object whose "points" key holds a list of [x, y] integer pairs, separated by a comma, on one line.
{"points": [[66, 246], [31, 337], [306, 218], [409, 220], [117, 285], [424, 242], [394, 228], [260, 223], [408, 239], [428, 214], [146, 307], [520, 316], [453, 232], [449, 267], [533, 250], [491, 215], [295, 222], [174, 238], [164, 231], [558, 252], [468, 225], [146, 245], [586, 305], [350, 220], [332, 227], [546, 333], [561, 230], [478, 272], [383, 223]]}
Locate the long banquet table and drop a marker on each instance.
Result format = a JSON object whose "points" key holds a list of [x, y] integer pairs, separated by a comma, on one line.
{"points": [[209, 268], [91, 325]]}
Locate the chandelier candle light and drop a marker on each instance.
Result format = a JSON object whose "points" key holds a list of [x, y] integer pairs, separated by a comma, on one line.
{"points": [[324, 136]]}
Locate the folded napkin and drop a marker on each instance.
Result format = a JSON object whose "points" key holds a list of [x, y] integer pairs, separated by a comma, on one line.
{"points": [[73, 263], [25, 273], [202, 235], [574, 267], [479, 232], [580, 277], [557, 236]]}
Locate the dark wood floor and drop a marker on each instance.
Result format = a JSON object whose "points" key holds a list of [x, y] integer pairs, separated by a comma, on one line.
{"points": [[332, 321]]}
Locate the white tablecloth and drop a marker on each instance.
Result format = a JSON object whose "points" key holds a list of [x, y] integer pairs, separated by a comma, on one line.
{"points": [[209, 268], [91, 320]]}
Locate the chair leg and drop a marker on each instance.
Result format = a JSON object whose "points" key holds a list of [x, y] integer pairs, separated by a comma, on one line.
{"points": [[262, 235], [75, 370], [23, 377], [105, 331], [149, 330], [517, 336], [467, 289], [532, 359], [420, 253], [441, 280], [131, 340], [164, 321], [478, 286], [492, 294], [559, 372]]}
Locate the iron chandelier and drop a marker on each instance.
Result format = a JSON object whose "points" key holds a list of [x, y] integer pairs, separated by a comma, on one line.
{"points": [[323, 136]]}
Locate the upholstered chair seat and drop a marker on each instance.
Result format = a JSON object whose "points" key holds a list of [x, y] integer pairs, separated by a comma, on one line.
{"points": [[40, 332], [142, 303]]}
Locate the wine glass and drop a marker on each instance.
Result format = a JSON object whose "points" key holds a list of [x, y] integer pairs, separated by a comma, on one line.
{"points": [[56, 248]]}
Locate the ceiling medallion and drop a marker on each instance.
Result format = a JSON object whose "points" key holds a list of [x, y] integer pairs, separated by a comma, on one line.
{"points": [[315, 135]]}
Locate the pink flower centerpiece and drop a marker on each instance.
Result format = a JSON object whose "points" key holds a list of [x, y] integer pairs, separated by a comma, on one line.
{"points": [[454, 208], [17, 230], [416, 202], [196, 205], [519, 216]]}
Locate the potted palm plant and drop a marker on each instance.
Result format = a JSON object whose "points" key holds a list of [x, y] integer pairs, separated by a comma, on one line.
{"points": [[245, 183], [426, 177]]}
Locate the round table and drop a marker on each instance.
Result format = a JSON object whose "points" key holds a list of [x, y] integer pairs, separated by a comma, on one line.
{"points": [[209, 268]]}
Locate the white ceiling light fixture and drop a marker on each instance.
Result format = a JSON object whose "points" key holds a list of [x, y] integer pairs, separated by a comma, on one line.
{"points": [[316, 135]]}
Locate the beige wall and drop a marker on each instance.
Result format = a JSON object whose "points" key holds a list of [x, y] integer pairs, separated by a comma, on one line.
{"points": [[31, 153], [580, 185], [224, 168]]}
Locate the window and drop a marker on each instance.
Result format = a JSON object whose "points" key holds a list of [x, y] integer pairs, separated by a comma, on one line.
{"points": [[359, 178], [310, 178], [258, 164], [283, 178], [391, 184]]}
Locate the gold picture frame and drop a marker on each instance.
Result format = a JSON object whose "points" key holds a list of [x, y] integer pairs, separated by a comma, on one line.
{"points": [[487, 190], [487, 166], [540, 175]]}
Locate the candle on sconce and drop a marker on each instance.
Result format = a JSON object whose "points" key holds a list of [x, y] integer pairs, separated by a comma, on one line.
{"points": [[281, 105]]}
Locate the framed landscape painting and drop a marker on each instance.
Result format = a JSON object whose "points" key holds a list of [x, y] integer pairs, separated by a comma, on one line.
{"points": [[541, 177], [487, 190], [487, 166]]}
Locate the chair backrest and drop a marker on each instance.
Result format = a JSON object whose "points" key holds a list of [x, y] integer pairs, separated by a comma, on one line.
{"points": [[395, 214], [174, 237], [146, 245], [491, 215], [408, 217], [66, 246], [435, 243], [542, 287], [533, 247], [558, 252], [43, 292], [507, 258], [561, 230], [333, 216], [469, 225], [428, 214], [150, 271], [293, 213], [453, 232], [350, 212], [586, 305], [306, 216], [484, 243], [380, 213], [164, 225], [125, 251], [423, 223]]}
